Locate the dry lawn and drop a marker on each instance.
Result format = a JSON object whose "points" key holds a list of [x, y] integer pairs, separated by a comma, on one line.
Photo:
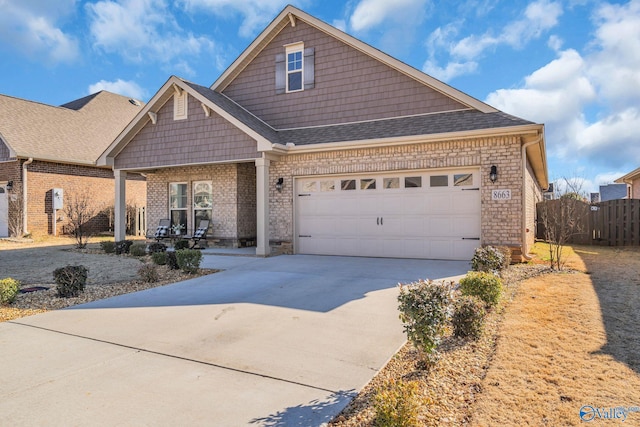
{"points": [[567, 340]]}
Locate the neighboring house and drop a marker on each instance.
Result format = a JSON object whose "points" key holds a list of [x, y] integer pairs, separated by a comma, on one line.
{"points": [[313, 142], [44, 149], [632, 180], [613, 192]]}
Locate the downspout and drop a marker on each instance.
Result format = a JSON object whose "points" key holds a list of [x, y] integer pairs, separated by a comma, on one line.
{"points": [[24, 195], [525, 248]]}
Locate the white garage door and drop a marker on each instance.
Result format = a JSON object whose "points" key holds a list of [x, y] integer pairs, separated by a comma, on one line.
{"points": [[429, 214]]}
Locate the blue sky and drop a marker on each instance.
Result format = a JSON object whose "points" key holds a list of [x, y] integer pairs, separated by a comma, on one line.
{"points": [[572, 65]]}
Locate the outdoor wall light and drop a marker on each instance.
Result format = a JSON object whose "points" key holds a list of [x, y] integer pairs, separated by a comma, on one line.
{"points": [[279, 184], [493, 175], [9, 186]]}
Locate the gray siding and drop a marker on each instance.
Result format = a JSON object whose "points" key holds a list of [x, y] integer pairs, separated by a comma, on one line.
{"points": [[349, 86], [198, 139]]}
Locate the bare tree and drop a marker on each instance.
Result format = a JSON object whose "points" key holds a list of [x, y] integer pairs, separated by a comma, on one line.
{"points": [[563, 218], [80, 210]]}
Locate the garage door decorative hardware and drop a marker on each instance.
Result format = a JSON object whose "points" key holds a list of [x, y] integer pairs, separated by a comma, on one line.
{"points": [[303, 235], [470, 238], [302, 195], [471, 189], [380, 221]]}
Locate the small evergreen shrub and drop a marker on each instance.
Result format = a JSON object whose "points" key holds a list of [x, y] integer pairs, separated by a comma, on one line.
{"points": [[157, 247], [189, 260], [70, 280], [181, 244], [122, 247], [138, 249], [108, 246], [9, 289], [159, 258], [488, 259], [468, 317], [172, 261], [148, 273], [486, 286], [398, 404], [425, 309]]}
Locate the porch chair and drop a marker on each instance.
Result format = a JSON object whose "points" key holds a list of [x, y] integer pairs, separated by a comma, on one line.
{"points": [[162, 231], [199, 234]]}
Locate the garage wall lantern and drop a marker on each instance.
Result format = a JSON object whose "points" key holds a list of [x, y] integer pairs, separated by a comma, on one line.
{"points": [[9, 186], [493, 175], [279, 184]]}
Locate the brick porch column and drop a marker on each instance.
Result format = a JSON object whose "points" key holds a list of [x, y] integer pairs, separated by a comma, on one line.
{"points": [[120, 220], [262, 207]]}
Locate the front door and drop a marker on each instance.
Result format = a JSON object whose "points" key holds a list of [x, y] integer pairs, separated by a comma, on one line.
{"points": [[4, 212]]}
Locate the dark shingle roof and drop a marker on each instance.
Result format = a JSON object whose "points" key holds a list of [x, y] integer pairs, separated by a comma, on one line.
{"points": [[429, 124]]}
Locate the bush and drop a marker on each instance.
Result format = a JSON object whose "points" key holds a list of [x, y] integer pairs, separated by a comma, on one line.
{"points": [[425, 308], [489, 259], [108, 246], [506, 253], [159, 258], [398, 404], [148, 273], [157, 247], [189, 260], [138, 249], [122, 247], [9, 289], [172, 261], [468, 317], [486, 286], [181, 244], [70, 280]]}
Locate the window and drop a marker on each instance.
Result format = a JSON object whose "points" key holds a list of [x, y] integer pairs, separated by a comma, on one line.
{"points": [[348, 184], [202, 201], [463, 179], [327, 185], [391, 183], [178, 206], [368, 184], [309, 186], [295, 68], [439, 181], [413, 182]]}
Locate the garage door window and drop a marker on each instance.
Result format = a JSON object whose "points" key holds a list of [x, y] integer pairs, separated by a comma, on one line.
{"points": [[391, 183], [413, 182], [439, 181], [309, 186], [348, 184], [327, 185], [368, 184], [461, 180]]}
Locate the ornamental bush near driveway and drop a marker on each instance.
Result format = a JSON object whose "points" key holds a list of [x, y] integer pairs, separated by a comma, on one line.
{"points": [[9, 288], [486, 286]]}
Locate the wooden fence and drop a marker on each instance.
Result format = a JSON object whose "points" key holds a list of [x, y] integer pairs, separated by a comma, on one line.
{"points": [[611, 223]]}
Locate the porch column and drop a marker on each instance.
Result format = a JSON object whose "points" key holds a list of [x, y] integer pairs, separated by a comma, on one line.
{"points": [[120, 209], [262, 207]]}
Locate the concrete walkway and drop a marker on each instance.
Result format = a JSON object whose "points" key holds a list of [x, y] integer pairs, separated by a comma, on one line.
{"points": [[282, 341]]}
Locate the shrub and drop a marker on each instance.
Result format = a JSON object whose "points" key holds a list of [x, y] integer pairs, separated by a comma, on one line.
{"points": [[506, 253], [70, 280], [159, 258], [486, 286], [489, 259], [148, 273], [181, 244], [172, 261], [108, 246], [189, 260], [157, 247], [122, 247], [398, 404], [138, 249], [468, 317], [9, 289], [425, 308]]}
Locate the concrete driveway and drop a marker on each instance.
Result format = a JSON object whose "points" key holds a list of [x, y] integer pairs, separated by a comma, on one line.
{"points": [[287, 340]]}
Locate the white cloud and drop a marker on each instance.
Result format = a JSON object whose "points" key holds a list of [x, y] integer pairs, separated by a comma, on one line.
{"points": [[452, 70], [121, 87], [256, 13], [141, 30], [372, 13], [31, 27]]}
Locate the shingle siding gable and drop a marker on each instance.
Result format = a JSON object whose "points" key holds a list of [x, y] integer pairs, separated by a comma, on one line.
{"points": [[350, 86], [198, 139]]}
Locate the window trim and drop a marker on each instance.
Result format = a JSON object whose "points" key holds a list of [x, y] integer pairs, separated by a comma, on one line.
{"points": [[292, 48]]}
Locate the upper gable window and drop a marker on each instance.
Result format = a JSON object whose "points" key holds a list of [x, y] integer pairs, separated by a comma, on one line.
{"points": [[295, 68], [180, 105]]}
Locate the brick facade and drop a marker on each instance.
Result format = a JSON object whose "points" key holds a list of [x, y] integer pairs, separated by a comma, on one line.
{"points": [[75, 181]]}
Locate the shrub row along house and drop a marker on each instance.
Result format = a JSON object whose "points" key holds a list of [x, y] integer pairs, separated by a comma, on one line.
{"points": [[48, 159], [313, 142]]}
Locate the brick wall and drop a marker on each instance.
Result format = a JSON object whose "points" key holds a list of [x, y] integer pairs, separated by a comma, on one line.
{"points": [[234, 200], [75, 181], [501, 220]]}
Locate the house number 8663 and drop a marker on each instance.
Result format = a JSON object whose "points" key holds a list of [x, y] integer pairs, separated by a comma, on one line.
{"points": [[500, 194]]}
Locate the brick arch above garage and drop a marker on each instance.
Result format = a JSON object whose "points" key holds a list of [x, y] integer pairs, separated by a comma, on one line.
{"points": [[196, 140]]}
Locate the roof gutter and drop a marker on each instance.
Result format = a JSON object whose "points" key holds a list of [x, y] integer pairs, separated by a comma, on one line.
{"points": [[24, 195]]}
